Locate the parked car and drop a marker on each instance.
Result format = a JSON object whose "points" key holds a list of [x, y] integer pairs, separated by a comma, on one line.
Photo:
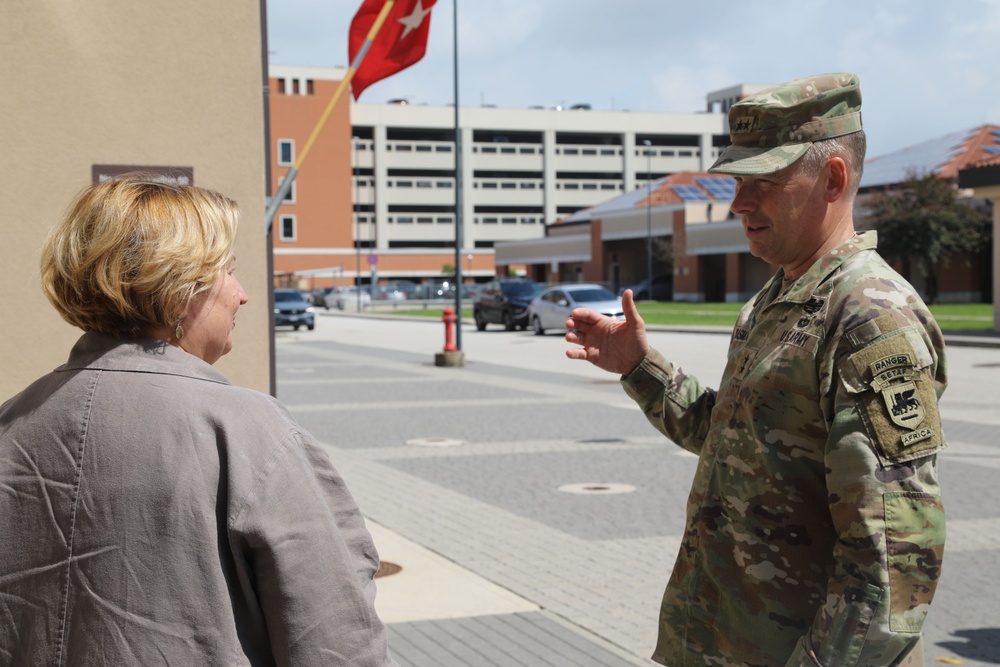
{"points": [[435, 289], [348, 297], [663, 289], [505, 301], [398, 290], [551, 308], [307, 296], [291, 309], [324, 297]]}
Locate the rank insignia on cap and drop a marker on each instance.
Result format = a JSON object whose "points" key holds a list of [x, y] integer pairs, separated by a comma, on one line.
{"points": [[904, 408], [743, 125]]}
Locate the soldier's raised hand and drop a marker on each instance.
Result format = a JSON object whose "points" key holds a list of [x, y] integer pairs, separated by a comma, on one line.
{"points": [[614, 345]]}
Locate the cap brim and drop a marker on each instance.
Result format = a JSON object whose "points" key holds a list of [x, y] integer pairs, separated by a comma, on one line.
{"points": [[755, 161]]}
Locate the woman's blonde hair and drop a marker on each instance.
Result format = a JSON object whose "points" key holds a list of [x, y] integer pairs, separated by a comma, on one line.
{"points": [[133, 252]]}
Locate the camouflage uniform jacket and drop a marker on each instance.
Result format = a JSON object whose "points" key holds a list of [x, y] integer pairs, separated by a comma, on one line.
{"points": [[815, 529]]}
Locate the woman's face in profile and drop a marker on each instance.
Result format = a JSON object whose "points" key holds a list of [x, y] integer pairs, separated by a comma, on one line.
{"points": [[209, 323]]}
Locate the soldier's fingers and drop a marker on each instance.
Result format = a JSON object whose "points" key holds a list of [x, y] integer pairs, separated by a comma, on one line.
{"points": [[628, 307]]}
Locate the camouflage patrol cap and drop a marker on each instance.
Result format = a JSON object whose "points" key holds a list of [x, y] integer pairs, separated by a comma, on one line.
{"points": [[773, 128]]}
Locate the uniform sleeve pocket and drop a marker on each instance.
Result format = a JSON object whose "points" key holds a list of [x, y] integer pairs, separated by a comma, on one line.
{"points": [[915, 532], [838, 635]]}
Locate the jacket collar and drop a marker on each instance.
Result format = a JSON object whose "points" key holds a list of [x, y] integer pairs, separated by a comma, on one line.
{"points": [[99, 351], [803, 288]]}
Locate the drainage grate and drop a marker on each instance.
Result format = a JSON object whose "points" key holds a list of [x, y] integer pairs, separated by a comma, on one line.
{"points": [[435, 442], [597, 488]]}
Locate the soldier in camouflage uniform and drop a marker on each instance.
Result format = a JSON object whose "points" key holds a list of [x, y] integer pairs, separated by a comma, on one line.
{"points": [[815, 529]]}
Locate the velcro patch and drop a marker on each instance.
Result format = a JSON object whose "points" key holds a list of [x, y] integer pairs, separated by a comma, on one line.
{"points": [[900, 407]]}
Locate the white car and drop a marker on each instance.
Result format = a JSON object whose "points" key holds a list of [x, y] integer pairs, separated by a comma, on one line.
{"points": [[348, 298], [551, 308]]}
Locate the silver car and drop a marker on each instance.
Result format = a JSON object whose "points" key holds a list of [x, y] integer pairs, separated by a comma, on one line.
{"points": [[551, 308]]}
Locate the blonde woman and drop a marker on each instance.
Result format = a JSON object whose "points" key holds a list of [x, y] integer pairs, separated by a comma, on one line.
{"points": [[152, 512]]}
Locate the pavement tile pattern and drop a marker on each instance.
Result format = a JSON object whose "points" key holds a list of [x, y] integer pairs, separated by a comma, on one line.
{"points": [[594, 564]]}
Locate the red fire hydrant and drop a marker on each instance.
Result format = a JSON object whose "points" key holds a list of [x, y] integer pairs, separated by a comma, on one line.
{"points": [[449, 329]]}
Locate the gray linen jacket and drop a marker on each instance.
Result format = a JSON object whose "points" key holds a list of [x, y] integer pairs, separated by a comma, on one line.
{"points": [[151, 513]]}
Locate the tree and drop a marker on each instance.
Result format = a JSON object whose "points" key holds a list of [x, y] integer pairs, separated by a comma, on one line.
{"points": [[924, 224]]}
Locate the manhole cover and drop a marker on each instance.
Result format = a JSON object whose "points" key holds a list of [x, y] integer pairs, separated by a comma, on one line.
{"points": [[434, 442], [597, 488], [387, 569]]}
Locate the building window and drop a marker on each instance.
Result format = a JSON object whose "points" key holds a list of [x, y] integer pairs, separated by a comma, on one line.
{"points": [[443, 184], [287, 227], [424, 219], [310, 87], [423, 148], [405, 220], [295, 86], [424, 184], [527, 150], [508, 221], [404, 147], [442, 149], [286, 152], [508, 186], [290, 197], [281, 87]]}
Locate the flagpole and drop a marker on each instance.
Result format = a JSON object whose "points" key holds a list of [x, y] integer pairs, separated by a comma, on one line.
{"points": [[458, 194], [286, 184]]}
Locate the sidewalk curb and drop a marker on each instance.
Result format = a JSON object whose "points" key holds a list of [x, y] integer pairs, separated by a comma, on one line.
{"points": [[979, 338]]}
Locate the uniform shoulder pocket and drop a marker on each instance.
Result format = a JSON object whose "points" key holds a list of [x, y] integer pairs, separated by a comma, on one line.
{"points": [[891, 380]]}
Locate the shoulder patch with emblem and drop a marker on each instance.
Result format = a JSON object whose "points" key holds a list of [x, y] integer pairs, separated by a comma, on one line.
{"points": [[900, 405]]}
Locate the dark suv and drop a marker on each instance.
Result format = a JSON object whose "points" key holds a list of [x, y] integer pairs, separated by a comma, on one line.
{"points": [[505, 301]]}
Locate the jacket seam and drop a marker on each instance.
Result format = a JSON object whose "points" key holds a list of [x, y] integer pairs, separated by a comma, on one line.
{"points": [[84, 430]]}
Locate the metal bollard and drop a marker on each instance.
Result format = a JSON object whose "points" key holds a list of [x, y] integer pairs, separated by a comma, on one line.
{"points": [[448, 316]]}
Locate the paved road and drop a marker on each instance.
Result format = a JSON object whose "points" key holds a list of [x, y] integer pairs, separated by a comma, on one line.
{"points": [[534, 511]]}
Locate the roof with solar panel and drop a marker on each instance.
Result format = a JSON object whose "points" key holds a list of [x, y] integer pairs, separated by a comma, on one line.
{"points": [[684, 187], [944, 157]]}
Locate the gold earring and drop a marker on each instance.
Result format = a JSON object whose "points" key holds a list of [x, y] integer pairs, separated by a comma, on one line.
{"points": [[179, 331]]}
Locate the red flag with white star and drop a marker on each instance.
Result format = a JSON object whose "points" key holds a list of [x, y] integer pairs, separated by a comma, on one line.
{"points": [[401, 42]]}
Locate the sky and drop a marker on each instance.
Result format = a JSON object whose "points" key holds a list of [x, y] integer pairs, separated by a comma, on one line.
{"points": [[927, 67]]}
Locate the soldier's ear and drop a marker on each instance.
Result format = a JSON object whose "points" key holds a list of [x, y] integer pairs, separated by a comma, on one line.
{"points": [[837, 176]]}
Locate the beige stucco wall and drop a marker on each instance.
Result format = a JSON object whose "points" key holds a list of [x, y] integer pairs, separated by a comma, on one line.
{"points": [[134, 83]]}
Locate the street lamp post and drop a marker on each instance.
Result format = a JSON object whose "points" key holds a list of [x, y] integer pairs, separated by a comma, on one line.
{"points": [[357, 221], [649, 220]]}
